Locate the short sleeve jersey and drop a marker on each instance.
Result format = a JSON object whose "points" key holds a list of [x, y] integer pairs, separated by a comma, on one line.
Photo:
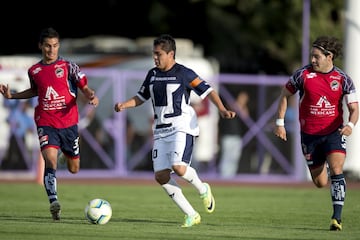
{"points": [[170, 95], [321, 95], [57, 84]]}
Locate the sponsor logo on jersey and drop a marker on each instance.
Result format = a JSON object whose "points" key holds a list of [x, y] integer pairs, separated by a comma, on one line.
{"points": [[311, 75], [36, 70]]}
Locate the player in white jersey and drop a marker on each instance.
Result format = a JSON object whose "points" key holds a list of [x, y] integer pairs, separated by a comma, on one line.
{"points": [[175, 126]]}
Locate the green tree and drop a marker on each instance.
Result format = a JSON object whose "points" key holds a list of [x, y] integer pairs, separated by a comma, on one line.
{"points": [[257, 36]]}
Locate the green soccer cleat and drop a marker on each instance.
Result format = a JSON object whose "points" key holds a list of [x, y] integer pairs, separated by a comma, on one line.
{"points": [[335, 225], [55, 210], [191, 220], [208, 199]]}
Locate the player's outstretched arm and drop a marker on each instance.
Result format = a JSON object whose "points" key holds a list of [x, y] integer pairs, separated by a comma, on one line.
{"points": [[280, 130], [132, 102], [90, 94], [215, 99], [353, 119], [28, 93]]}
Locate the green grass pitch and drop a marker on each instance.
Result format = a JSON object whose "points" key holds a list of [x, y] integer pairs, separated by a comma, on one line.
{"points": [[143, 211]]}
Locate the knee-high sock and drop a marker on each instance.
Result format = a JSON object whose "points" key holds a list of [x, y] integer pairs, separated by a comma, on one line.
{"points": [[175, 193], [192, 177], [50, 184], [338, 189]]}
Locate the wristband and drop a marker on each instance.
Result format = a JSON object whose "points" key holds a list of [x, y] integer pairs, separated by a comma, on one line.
{"points": [[350, 124], [280, 122]]}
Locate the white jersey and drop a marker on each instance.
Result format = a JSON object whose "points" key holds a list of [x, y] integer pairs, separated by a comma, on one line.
{"points": [[170, 95]]}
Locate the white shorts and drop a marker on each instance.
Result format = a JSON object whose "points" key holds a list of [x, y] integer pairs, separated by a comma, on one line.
{"points": [[175, 149]]}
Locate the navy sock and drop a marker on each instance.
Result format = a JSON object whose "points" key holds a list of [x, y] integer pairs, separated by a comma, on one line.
{"points": [[338, 189], [50, 184]]}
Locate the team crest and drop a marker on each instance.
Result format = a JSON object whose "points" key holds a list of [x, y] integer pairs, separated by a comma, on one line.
{"points": [[334, 85], [59, 72]]}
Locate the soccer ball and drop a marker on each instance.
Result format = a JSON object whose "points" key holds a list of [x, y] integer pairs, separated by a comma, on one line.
{"points": [[98, 211]]}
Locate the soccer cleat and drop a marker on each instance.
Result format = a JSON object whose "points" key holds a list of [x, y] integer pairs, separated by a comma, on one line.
{"points": [[191, 220], [335, 225], [208, 199], [55, 210]]}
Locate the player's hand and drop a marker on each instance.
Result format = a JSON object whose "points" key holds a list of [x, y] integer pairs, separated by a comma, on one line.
{"points": [[94, 101], [119, 107], [280, 132], [5, 90], [345, 130], [227, 114]]}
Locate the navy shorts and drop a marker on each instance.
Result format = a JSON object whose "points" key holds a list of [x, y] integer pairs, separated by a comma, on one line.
{"points": [[316, 148], [66, 139]]}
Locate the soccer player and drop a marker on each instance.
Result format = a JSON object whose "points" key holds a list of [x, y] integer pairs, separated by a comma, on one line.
{"points": [[55, 82], [175, 126], [322, 87]]}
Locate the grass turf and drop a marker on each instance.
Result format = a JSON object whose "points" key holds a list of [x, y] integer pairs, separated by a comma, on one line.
{"points": [[145, 212]]}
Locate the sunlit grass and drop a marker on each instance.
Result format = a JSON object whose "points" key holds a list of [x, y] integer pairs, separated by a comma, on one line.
{"points": [[145, 212]]}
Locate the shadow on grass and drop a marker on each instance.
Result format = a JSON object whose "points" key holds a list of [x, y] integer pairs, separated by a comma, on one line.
{"points": [[67, 220]]}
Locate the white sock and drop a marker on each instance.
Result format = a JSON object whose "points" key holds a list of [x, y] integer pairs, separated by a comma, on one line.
{"points": [[192, 177], [176, 194]]}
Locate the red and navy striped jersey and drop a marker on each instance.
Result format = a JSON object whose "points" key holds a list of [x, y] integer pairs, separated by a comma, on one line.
{"points": [[57, 84]]}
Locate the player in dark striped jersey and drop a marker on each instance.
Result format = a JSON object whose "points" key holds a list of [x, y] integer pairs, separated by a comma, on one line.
{"points": [[55, 81], [175, 126], [322, 87]]}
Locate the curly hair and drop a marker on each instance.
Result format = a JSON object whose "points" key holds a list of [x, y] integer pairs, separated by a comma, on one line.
{"points": [[329, 45]]}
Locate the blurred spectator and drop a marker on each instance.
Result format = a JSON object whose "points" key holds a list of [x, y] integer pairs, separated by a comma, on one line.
{"points": [[202, 153], [21, 123], [93, 137], [231, 137]]}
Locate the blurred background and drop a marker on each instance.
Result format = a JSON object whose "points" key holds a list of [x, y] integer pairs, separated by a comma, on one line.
{"points": [[245, 49], [258, 36]]}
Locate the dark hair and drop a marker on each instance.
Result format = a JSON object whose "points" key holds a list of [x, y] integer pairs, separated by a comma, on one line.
{"points": [[329, 45], [48, 33], [167, 43]]}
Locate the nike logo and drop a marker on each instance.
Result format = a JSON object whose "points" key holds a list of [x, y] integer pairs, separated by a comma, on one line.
{"points": [[211, 205]]}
